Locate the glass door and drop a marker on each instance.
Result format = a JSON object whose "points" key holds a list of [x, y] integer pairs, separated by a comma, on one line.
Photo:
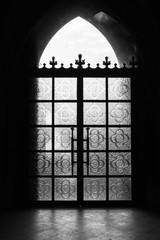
{"points": [[80, 145]]}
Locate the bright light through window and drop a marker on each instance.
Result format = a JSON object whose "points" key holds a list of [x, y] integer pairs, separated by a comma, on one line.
{"points": [[78, 36]]}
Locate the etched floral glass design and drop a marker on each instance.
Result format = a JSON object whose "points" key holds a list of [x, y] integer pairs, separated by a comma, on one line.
{"points": [[120, 189], [41, 89], [41, 189], [94, 88], [119, 88], [65, 189], [65, 88], [94, 189], [94, 113], [119, 138], [97, 138], [120, 163], [97, 163], [119, 113], [41, 138], [62, 164], [62, 138], [40, 163], [65, 113], [41, 113]]}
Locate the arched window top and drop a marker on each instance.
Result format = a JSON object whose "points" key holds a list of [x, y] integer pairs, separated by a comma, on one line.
{"points": [[78, 36]]}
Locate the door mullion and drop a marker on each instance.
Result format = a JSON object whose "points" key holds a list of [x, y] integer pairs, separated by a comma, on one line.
{"points": [[80, 140]]}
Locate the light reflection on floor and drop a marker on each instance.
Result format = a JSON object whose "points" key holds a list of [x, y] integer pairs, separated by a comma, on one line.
{"points": [[79, 224]]}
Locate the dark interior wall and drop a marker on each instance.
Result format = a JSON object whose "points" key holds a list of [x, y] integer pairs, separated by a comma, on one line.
{"points": [[25, 30]]}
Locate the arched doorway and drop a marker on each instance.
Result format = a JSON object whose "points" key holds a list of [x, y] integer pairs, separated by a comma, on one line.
{"points": [[81, 135]]}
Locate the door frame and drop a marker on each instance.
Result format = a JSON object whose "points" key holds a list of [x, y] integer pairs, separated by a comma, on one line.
{"points": [[80, 73]]}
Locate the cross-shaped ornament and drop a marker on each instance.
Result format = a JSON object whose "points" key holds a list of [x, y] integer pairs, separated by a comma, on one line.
{"points": [[133, 62], [53, 62], [106, 62], [80, 62]]}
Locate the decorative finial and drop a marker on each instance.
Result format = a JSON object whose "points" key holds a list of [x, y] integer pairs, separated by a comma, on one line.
{"points": [[53, 62], [106, 62], [80, 62], [133, 62]]}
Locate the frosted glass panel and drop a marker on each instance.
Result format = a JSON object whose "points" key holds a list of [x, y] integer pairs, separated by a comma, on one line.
{"points": [[65, 189], [120, 163], [40, 163], [94, 88], [62, 138], [41, 139], [41, 113], [120, 189], [65, 88], [94, 113], [94, 189], [97, 138], [62, 163], [65, 113], [119, 138], [41, 89], [41, 189], [119, 113], [97, 163], [119, 88]]}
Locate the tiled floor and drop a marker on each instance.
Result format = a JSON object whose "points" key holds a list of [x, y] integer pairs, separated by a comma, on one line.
{"points": [[79, 224]]}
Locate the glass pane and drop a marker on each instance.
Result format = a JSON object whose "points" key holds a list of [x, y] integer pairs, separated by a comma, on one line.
{"points": [[41, 163], [94, 113], [62, 138], [41, 113], [94, 88], [65, 113], [94, 189], [41, 139], [120, 189], [65, 189], [120, 163], [119, 113], [97, 163], [119, 88], [119, 138], [41, 189], [97, 138], [65, 88], [41, 89], [62, 164]]}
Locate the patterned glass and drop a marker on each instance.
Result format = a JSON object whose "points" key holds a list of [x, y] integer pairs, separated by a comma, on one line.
{"points": [[41, 139], [65, 113], [94, 88], [120, 189], [41, 189], [119, 113], [41, 89], [119, 138], [62, 164], [65, 88], [94, 189], [97, 163], [97, 138], [94, 113], [41, 113], [120, 163], [119, 88], [65, 189], [41, 163], [63, 137]]}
